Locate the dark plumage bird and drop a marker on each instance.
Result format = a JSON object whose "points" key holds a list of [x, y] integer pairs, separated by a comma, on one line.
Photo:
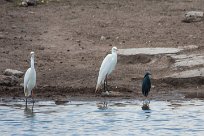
{"points": [[146, 84]]}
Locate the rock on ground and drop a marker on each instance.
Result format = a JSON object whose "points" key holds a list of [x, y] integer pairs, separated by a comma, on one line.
{"points": [[12, 72], [29, 3], [193, 16], [8, 80]]}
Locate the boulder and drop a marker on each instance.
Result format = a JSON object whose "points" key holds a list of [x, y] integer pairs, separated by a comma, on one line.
{"points": [[193, 16], [12, 72]]}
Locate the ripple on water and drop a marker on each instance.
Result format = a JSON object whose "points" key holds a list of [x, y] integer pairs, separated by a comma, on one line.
{"points": [[99, 118]]}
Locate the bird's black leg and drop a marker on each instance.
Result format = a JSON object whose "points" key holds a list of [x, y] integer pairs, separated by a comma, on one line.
{"points": [[106, 83], [33, 99], [26, 102], [104, 86], [33, 103]]}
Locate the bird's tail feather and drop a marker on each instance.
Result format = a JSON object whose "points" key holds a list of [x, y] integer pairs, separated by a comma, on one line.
{"points": [[97, 86], [26, 93], [99, 82]]}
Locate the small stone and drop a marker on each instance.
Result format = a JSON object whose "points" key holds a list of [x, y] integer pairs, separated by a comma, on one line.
{"points": [[111, 94], [31, 2], [12, 72], [31, 12], [106, 93], [13, 27], [103, 38], [78, 41], [24, 4]]}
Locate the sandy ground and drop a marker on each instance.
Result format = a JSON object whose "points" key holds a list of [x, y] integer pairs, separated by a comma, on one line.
{"points": [[66, 37]]}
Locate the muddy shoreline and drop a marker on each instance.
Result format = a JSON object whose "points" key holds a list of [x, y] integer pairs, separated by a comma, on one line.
{"points": [[168, 90]]}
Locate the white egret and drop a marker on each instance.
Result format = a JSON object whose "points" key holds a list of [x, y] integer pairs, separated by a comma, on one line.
{"points": [[107, 66], [30, 79]]}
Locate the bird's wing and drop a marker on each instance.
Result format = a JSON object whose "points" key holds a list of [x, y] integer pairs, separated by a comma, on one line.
{"points": [[105, 66], [26, 79], [146, 85], [34, 77], [113, 63]]}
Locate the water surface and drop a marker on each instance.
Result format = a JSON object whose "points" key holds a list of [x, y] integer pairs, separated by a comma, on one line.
{"points": [[96, 118]]}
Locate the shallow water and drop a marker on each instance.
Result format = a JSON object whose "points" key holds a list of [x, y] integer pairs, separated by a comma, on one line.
{"points": [[95, 118]]}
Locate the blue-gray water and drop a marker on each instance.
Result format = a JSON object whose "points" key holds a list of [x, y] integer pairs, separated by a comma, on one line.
{"points": [[90, 118]]}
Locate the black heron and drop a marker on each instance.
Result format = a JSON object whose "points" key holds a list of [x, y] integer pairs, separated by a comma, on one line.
{"points": [[146, 84]]}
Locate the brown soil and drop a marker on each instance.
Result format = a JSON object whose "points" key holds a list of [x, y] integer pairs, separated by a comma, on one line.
{"points": [[66, 37]]}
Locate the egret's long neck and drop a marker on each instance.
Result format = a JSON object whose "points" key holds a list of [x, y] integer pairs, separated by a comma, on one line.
{"points": [[32, 62]]}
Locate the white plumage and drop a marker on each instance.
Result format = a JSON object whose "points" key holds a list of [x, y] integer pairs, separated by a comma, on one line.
{"points": [[107, 66], [30, 78]]}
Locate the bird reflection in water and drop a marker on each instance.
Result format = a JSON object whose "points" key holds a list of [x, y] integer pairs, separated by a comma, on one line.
{"points": [[145, 105], [102, 105], [146, 108], [28, 112]]}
